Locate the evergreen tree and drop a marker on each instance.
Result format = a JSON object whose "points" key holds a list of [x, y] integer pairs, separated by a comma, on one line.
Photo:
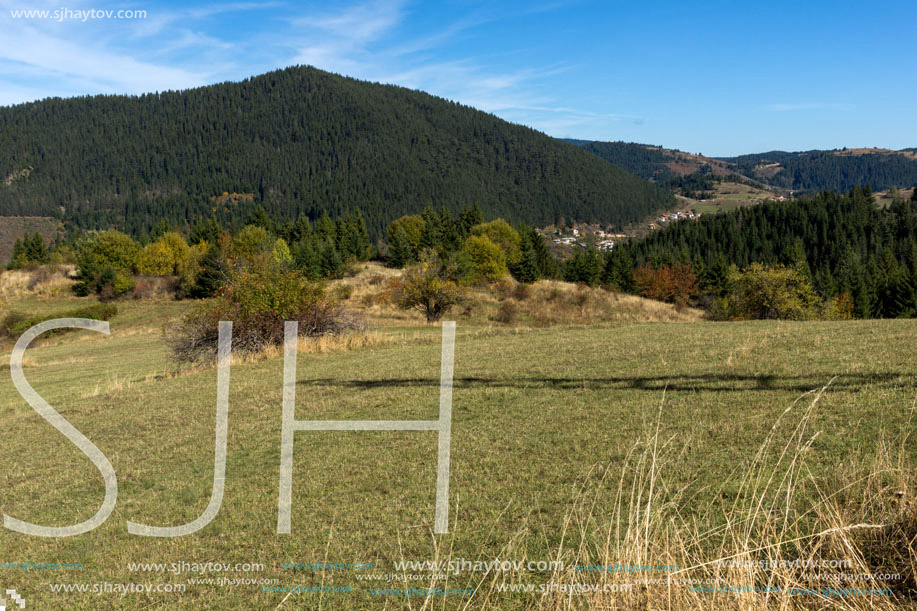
{"points": [[400, 252], [210, 275], [527, 269]]}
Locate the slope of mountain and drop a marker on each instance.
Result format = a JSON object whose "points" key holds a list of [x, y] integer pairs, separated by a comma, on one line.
{"points": [[654, 162], [296, 141], [836, 170], [844, 243]]}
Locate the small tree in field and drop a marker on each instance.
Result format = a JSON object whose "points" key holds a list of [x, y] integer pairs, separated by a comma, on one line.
{"points": [[775, 292], [427, 287]]}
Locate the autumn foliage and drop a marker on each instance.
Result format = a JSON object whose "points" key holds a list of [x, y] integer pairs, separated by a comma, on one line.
{"points": [[673, 283]]}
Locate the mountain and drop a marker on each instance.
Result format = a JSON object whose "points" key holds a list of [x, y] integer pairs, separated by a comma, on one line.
{"points": [[296, 141], [835, 170], [654, 162]]}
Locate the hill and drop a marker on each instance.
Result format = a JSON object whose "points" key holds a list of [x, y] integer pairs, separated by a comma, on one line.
{"points": [[843, 243], [835, 170], [297, 141], [13, 228], [654, 162], [592, 445]]}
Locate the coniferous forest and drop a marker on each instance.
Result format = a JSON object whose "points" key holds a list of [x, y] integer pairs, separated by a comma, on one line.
{"points": [[837, 170], [842, 244], [297, 141]]}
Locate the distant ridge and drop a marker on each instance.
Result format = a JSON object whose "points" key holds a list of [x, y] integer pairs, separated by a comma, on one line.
{"points": [[835, 170], [296, 141]]}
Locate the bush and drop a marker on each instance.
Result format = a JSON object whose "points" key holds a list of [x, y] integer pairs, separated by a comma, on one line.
{"points": [[428, 288], [767, 293], [105, 261], [675, 284], [343, 292], [504, 236], [15, 324], [508, 313], [258, 300], [163, 257], [482, 260]]}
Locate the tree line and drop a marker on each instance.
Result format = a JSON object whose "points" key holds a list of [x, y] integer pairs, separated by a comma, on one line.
{"points": [[851, 252]]}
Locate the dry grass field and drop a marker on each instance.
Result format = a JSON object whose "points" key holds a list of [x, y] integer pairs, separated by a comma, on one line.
{"points": [[609, 452]]}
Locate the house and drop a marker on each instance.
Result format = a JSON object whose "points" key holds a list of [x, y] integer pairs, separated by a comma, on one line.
{"points": [[575, 231], [606, 245]]}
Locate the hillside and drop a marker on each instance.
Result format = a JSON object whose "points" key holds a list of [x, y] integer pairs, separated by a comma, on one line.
{"points": [[844, 244], [296, 141], [836, 170], [592, 445], [13, 228], [653, 162]]}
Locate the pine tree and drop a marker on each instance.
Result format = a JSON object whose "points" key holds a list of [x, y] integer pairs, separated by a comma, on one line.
{"points": [[400, 252], [306, 258], [527, 269], [210, 276]]}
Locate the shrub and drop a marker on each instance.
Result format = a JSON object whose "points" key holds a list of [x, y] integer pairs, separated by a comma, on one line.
{"points": [[39, 276], [508, 313], [428, 288], [482, 260], [343, 292], [164, 256], [15, 324], [105, 261], [521, 292], [769, 292], [504, 236], [12, 319], [675, 284], [258, 300]]}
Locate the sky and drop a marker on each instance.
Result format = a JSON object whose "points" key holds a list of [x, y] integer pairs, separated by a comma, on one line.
{"points": [[717, 78]]}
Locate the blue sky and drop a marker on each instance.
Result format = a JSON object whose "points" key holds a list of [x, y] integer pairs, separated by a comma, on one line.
{"points": [[716, 78]]}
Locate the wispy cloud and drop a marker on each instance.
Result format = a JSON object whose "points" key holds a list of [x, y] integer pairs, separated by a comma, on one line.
{"points": [[180, 47], [363, 40]]}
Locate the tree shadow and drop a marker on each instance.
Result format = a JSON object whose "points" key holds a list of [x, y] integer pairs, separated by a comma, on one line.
{"points": [[708, 382]]}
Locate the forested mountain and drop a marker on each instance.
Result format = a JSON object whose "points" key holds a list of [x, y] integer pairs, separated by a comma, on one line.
{"points": [[655, 162], [296, 141], [844, 243], [837, 170], [647, 162]]}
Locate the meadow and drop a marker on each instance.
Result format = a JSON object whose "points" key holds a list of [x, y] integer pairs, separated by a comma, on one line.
{"points": [[629, 434]]}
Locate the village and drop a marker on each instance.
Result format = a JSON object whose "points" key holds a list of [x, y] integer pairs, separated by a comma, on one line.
{"points": [[585, 236]]}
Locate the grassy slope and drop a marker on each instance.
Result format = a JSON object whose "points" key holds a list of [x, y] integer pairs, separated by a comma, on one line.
{"points": [[535, 410]]}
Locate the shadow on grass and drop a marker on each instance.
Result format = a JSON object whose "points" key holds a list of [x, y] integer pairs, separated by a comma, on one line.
{"points": [[696, 383]]}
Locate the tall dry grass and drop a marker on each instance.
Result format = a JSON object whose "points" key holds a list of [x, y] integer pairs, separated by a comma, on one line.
{"points": [[44, 281], [546, 303], [766, 549], [767, 553]]}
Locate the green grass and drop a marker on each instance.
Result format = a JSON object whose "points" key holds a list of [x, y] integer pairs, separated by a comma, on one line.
{"points": [[538, 415]]}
